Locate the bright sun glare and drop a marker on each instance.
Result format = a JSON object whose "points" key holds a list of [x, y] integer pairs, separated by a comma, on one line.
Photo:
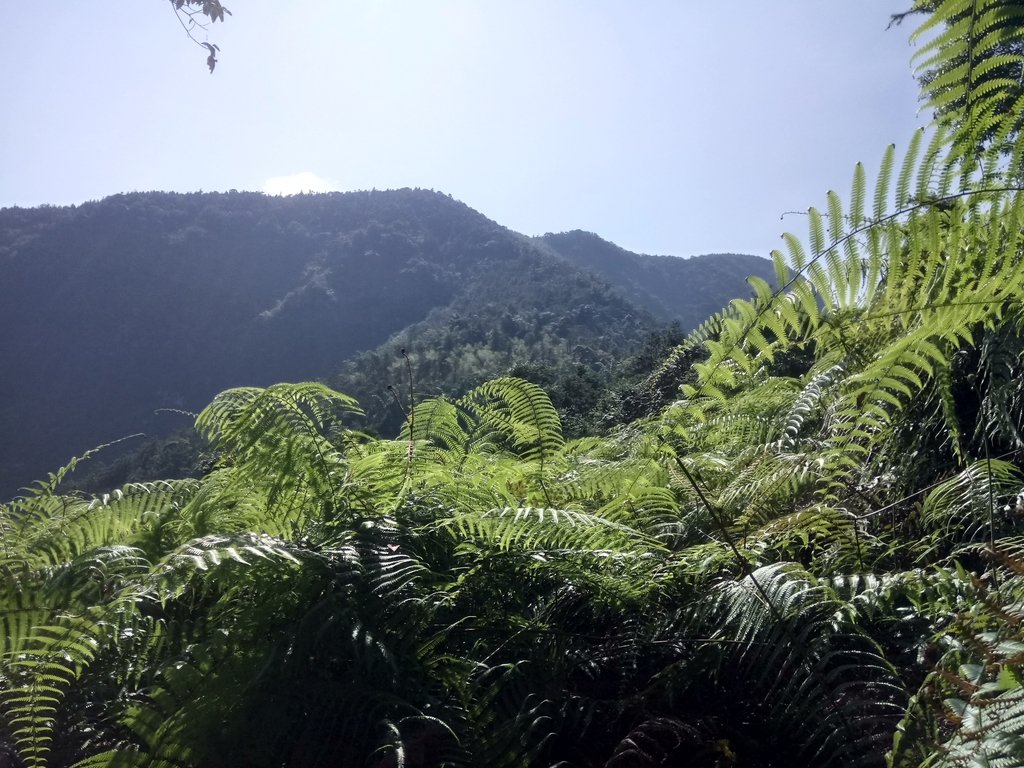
{"points": [[297, 183]]}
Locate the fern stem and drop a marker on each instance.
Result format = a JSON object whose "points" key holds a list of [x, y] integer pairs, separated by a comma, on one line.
{"points": [[719, 521], [412, 416], [784, 626], [991, 509]]}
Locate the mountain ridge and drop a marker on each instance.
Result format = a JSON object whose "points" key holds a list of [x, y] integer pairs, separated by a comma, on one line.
{"points": [[144, 301], [659, 284]]}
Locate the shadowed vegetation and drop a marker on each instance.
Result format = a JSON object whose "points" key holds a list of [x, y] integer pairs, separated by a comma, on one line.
{"points": [[812, 555]]}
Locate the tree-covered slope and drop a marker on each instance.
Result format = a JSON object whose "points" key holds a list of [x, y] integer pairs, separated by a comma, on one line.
{"points": [[670, 288], [114, 309], [812, 557]]}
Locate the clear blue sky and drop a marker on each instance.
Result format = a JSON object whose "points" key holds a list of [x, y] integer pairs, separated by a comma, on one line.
{"points": [[667, 126]]}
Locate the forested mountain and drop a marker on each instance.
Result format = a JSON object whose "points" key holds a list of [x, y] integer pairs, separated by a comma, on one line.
{"points": [[812, 556], [114, 309], [663, 285]]}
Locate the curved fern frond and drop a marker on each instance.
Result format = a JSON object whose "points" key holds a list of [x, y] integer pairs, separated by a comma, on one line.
{"points": [[520, 412], [970, 64], [551, 530], [837, 694], [963, 509]]}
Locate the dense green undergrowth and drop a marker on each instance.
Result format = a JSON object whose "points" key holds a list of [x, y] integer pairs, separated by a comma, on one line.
{"points": [[813, 556]]}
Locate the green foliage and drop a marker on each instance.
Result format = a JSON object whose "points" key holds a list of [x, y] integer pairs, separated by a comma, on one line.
{"points": [[812, 556], [219, 289], [969, 65]]}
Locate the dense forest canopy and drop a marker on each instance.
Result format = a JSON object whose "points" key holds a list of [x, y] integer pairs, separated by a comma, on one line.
{"points": [[812, 556], [185, 295]]}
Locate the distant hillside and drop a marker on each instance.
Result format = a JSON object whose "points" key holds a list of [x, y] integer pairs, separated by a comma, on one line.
{"points": [[114, 309], [670, 288]]}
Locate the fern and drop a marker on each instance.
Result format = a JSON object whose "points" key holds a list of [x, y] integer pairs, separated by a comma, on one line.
{"points": [[789, 611], [960, 510]]}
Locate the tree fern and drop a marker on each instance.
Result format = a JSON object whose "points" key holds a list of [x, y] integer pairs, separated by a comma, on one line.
{"points": [[851, 728]]}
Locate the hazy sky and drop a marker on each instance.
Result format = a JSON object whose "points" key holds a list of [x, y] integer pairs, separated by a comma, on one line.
{"points": [[667, 126]]}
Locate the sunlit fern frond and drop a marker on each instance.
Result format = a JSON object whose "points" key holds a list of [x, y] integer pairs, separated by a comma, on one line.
{"points": [[805, 410], [935, 593], [289, 436], [223, 504], [622, 479], [766, 483], [887, 299], [519, 412], [947, 289], [540, 529], [965, 508], [437, 420], [826, 539], [970, 60], [51, 529]]}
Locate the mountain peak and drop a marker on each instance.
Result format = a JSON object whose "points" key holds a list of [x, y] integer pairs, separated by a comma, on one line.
{"points": [[118, 308]]}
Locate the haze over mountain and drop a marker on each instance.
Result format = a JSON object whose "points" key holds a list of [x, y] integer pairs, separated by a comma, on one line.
{"points": [[114, 309], [687, 291]]}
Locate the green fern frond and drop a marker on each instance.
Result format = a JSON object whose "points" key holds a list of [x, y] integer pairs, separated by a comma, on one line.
{"points": [[41, 673], [908, 169], [961, 509], [522, 413], [883, 183], [250, 424], [969, 64], [806, 405], [838, 697], [550, 530]]}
